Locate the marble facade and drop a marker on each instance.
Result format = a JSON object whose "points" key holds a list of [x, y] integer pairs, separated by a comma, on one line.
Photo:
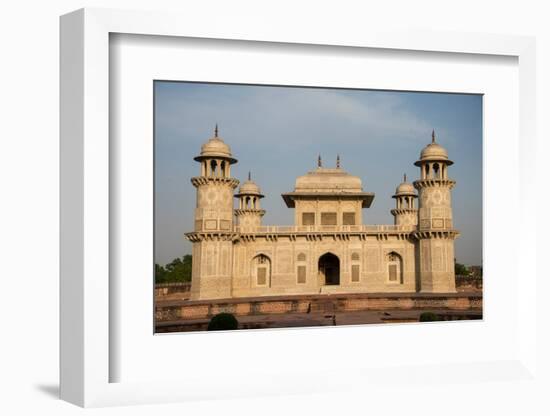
{"points": [[328, 249]]}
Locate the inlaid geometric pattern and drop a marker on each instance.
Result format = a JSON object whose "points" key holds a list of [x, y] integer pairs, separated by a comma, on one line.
{"points": [[392, 272], [261, 275], [348, 218], [355, 273], [308, 218], [210, 224], [301, 274], [328, 218]]}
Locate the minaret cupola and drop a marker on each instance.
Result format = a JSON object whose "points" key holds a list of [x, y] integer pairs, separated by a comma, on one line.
{"points": [[433, 161], [405, 212], [249, 214], [215, 157]]}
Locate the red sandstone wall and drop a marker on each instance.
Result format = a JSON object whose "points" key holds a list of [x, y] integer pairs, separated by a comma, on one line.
{"points": [[186, 310]]}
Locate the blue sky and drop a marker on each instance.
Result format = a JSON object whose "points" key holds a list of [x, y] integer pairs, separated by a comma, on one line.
{"points": [[278, 132]]}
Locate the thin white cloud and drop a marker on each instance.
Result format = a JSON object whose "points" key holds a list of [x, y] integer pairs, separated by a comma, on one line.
{"points": [[282, 113]]}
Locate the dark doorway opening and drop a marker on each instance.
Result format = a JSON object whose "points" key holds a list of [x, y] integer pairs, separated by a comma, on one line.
{"points": [[329, 269]]}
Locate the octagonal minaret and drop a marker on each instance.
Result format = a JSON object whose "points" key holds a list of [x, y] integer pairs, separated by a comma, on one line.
{"points": [[249, 214], [405, 212], [213, 234], [435, 231]]}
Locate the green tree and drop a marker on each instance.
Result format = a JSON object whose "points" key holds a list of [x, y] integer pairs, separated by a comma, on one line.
{"points": [[429, 317], [461, 270], [223, 322], [160, 274], [178, 270]]}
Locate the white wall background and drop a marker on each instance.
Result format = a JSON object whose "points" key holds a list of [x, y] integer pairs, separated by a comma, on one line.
{"points": [[29, 200]]}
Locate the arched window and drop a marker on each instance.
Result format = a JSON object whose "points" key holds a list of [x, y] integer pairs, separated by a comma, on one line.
{"points": [[395, 268], [427, 174], [222, 169], [261, 270], [213, 166]]}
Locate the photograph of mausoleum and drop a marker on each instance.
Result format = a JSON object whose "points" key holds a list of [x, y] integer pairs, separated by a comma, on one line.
{"points": [[279, 207], [329, 249]]}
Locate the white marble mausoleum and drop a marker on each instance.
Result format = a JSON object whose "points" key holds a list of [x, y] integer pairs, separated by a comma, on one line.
{"points": [[328, 249]]}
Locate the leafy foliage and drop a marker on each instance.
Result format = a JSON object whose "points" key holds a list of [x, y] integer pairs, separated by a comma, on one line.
{"points": [[461, 270], [429, 317], [223, 322], [178, 270]]}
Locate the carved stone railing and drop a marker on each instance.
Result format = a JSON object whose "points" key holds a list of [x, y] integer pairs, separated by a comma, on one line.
{"points": [[296, 229]]}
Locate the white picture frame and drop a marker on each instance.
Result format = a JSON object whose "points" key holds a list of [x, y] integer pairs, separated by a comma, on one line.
{"points": [[86, 262]]}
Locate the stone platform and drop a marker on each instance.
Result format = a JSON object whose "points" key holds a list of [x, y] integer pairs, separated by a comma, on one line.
{"points": [[314, 309], [301, 320]]}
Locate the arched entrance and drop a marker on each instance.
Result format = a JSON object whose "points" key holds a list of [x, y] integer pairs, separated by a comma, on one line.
{"points": [[329, 269]]}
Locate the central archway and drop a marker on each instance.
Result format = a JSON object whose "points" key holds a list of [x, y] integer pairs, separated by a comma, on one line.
{"points": [[329, 269]]}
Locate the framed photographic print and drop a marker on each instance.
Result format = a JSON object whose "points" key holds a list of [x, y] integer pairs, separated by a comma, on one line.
{"points": [[276, 206], [337, 259]]}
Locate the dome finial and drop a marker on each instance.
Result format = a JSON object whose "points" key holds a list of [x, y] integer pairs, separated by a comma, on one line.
{"points": [[319, 163], [216, 130], [433, 135], [249, 176], [338, 161], [404, 177]]}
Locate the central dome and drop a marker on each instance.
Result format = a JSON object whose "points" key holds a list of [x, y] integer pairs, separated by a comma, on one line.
{"points": [[325, 183], [328, 180], [328, 184]]}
